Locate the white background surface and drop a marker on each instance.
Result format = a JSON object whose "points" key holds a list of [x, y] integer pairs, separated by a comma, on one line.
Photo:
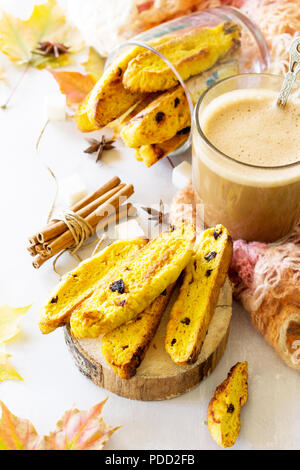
{"points": [[271, 418]]}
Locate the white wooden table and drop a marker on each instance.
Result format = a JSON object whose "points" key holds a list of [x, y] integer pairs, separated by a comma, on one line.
{"points": [[271, 418]]}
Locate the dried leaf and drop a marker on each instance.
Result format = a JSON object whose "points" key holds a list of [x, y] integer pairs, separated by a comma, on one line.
{"points": [[9, 321], [77, 430], [7, 371], [95, 64], [80, 430], [19, 38], [74, 85], [16, 433]]}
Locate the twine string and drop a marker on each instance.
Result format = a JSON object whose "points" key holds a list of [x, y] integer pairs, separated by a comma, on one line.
{"points": [[37, 147], [80, 229]]}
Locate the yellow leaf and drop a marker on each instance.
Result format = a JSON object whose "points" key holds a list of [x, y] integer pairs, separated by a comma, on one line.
{"points": [[19, 38], [7, 371], [95, 64], [9, 321]]}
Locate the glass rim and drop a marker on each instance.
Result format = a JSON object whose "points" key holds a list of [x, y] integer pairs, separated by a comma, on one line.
{"points": [[215, 149]]}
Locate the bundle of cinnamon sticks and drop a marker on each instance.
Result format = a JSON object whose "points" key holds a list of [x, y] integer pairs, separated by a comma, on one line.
{"points": [[99, 209]]}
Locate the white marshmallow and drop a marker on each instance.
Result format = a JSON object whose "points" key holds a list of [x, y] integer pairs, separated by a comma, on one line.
{"points": [[55, 107], [182, 175], [73, 189], [129, 229]]}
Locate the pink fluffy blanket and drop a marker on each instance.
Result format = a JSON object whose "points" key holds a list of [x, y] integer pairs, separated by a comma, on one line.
{"points": [[261, 271]]}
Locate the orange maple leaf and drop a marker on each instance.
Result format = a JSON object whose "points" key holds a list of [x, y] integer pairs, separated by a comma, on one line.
{"points": [[74, 85]]}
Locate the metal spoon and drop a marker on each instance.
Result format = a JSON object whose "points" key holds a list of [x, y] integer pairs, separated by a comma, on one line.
{"points": [[291, 75]]}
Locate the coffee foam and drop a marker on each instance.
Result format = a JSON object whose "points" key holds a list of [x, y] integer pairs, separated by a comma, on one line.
{"points": [[248, 126]]}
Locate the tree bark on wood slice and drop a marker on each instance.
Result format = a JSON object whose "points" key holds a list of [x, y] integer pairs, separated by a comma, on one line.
{"points": [[157, 378]]}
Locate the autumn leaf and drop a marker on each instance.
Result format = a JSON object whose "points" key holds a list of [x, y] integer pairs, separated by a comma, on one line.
{"points": [[9, 321], [20, 38], [77, 430], [7, 371], [95, 64], [74, 85], [16, 433], [80, 430]]}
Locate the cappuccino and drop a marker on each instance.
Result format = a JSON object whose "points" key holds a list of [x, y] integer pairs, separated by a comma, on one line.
{"points": [[246, 163]]}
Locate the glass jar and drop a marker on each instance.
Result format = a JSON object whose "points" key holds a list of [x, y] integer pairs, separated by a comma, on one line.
{"points": [[252, 56], [254, 51], [254, 201]]}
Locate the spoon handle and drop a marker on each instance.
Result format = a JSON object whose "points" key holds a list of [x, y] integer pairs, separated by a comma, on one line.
{"points": [[291, 75]]}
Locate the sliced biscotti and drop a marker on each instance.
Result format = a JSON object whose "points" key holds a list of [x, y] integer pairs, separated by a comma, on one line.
{"points": [[150, 154], [134, 287], [118, 124], [109, 99], [191, 53], [169, 112], [80, 283], [159, 121], [125, 347], [193, 310], [223, 414], [81, 117]]}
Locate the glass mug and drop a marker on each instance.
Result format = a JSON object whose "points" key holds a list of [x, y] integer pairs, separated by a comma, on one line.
{"points": [[255, 203]]}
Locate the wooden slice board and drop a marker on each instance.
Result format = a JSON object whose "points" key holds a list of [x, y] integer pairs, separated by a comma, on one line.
{"points": [[157, 378]]}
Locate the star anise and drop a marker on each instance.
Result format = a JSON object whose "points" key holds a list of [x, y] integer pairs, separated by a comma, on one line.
{"points": [[99, 146], [51, 48], [160, 216]]}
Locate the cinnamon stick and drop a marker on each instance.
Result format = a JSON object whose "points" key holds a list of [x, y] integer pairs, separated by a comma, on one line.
{"points": [[32, 250], [42, 236], [33, 240], [66, 240], [59, 227], [41, 251], [115, 181], [123, 211]]}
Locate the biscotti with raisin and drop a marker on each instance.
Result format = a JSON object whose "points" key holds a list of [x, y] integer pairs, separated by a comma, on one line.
{"points": [[159, 121], [125, 347], [80, 283], [134, 287], [109, 99], [191, 53], [223, 414], [193, 310], [150, 154]]}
